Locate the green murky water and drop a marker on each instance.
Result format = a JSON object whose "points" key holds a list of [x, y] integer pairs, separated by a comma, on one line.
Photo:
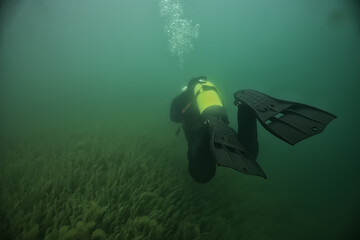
{"points": [[87, 150]]}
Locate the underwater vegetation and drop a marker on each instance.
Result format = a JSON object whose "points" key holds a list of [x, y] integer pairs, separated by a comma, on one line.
{"points": [[95, 188], [99, 186]]}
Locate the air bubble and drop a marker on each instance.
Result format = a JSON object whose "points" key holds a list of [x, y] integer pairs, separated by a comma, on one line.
{"points": [[181, 32]]}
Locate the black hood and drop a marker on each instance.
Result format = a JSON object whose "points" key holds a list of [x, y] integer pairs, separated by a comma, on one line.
{"points": [[195, 80]]}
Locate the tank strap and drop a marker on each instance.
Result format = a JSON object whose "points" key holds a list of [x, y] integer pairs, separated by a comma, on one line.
{"points": [[186, 108], [205, 88]]}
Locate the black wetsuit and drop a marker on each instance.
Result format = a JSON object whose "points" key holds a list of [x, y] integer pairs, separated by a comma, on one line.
{"points": [[202, 165]]}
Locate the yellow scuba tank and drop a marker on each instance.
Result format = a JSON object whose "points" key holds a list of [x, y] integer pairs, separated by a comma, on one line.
{"points": [[206, 95]]}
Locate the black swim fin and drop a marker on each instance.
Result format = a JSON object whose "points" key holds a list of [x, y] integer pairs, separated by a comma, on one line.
{"points": [[228, 151], [289, 121]]}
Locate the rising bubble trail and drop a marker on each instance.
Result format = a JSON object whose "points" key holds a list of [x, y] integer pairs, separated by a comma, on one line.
{"points": [[181, 32]]}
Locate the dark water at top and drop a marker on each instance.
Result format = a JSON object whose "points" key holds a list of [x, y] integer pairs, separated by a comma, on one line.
{"points": [[81, 65]]}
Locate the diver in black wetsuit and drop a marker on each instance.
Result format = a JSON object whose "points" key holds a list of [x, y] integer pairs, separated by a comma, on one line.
{"points": [[212, 142], [184, 109]]}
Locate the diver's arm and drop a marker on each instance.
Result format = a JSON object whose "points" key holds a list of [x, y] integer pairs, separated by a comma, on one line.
{"points": [[177, 105]]}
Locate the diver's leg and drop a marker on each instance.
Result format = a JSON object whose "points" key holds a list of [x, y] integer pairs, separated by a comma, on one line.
{"points": [[247, 129], [202, 166]]}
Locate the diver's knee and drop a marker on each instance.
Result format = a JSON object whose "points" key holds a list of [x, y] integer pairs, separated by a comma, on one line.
{"points": [[202, 175], [202, 179]]}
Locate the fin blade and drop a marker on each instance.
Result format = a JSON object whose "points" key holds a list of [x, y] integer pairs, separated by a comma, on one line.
{"points": [[290, 121], [228, 151]]}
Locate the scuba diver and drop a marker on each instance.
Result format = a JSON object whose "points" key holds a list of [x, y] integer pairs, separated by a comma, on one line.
{"points": [[211, 141]]}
